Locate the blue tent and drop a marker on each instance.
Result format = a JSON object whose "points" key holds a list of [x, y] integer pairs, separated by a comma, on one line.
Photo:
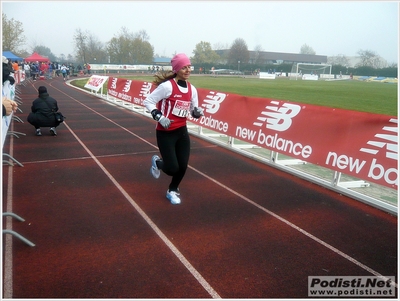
{"points": [[11, 56]]}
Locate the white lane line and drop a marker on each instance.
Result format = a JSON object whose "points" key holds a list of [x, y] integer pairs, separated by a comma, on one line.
{"points": [[309, 235], [148, 220]]}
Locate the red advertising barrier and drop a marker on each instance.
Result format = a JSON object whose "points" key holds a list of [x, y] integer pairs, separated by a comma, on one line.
{"points": [[363, 145]]}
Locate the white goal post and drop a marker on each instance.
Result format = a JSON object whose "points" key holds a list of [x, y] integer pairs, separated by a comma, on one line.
{"points": [[311, 71]]}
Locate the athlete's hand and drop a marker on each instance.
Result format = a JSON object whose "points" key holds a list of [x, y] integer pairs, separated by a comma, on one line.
{"points": [[197, 112], [165, 122]]}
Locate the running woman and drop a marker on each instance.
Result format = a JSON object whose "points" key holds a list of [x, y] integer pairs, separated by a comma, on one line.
{"points": [[170, 103]]}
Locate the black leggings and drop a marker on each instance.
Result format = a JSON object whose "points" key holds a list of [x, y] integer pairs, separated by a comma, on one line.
{"points": [[174, 148]]}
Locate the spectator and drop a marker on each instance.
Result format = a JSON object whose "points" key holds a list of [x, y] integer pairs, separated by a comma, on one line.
{"points": [[50, 70], [34, 71], [9, 106], [57, 67], [64, 71], [42, 112], [27, 70], [7, 72], [15, 66], [43, 69], [53, 68]]}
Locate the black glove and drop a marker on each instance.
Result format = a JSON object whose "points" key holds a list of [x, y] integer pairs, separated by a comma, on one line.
{"points": [[197, 112], [158, 116]]}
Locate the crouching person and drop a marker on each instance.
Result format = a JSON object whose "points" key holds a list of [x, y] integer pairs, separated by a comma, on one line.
{"points": [[42, 112]]}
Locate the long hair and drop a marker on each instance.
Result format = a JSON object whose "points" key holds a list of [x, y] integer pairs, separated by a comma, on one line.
{"points": [[163, 76]]}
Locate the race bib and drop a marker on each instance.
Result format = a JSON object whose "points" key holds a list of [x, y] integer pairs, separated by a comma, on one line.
{"points": [[181, 108]]}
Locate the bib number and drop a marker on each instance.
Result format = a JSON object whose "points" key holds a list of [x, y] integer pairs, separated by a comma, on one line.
{"points": [[181, 108]]}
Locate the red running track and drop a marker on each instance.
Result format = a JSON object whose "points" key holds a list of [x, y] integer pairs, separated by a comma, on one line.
{"points": [[102, 227]]}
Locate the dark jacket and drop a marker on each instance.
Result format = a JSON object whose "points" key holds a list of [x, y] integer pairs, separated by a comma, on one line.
{"points": [[6, 74], [43, 114]]}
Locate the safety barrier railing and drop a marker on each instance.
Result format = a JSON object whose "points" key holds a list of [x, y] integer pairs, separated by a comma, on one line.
{"points": [[12, 92], [330, 179]]}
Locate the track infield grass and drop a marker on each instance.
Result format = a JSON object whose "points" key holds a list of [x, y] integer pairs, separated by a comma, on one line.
{"points": [[371, 97]]}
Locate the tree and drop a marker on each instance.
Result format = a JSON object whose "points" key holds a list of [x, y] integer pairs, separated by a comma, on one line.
{"points": [[80, 41], [142, 35], [129, 48], [13, 34], [340, 59], [238, 53], [220, 46], [45, 51], [305, 49], [257, 51], [142, 52], [203, 54], [95, 50], [88, 47], [369, 58]]}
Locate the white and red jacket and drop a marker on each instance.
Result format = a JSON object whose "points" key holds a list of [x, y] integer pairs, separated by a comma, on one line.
{"points": [[174, 102]]}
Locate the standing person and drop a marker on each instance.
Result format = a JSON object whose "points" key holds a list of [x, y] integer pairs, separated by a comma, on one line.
{"points": [[50, 70], [42, 112], [43, 69], [7, 72], [64, 71], [15, 66], [67, 68], [53, 68], [34, 71], [57, 67], [27, 70], [170, 103]]}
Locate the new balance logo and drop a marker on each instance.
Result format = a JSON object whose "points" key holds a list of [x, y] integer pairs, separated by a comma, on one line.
{"points": [[114, 83], [127, 86], [145, 90], [213, 101], [387, 139], [278, 117]]}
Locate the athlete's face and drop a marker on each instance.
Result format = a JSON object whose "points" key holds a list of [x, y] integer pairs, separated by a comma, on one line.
{"points": [[184, 73]]}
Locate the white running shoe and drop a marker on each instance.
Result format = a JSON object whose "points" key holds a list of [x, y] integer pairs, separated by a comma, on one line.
{"points": [[154, 168], [53, 131], [173, 197]]}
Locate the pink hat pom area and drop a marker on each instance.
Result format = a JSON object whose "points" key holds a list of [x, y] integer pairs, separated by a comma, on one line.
{"points": [[179, 61]]}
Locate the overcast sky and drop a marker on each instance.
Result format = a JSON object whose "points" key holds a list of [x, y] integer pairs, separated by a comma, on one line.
{"points": [[329, 27]]}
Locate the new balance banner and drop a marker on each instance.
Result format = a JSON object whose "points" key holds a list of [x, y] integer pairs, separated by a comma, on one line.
{"points": [[363, 145]]}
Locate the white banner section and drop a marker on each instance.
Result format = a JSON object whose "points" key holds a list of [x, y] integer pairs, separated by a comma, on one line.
{"points": [[96, 82], [267, 75]]}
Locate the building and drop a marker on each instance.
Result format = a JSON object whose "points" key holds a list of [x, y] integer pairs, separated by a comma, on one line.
{"points": [[266, 58], [162, 61]]}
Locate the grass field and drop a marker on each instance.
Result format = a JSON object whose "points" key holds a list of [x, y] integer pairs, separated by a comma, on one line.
{"points": [[372, 97]]}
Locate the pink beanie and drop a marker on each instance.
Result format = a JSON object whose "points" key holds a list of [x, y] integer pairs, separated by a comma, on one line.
{"points": [[179, 61]]}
